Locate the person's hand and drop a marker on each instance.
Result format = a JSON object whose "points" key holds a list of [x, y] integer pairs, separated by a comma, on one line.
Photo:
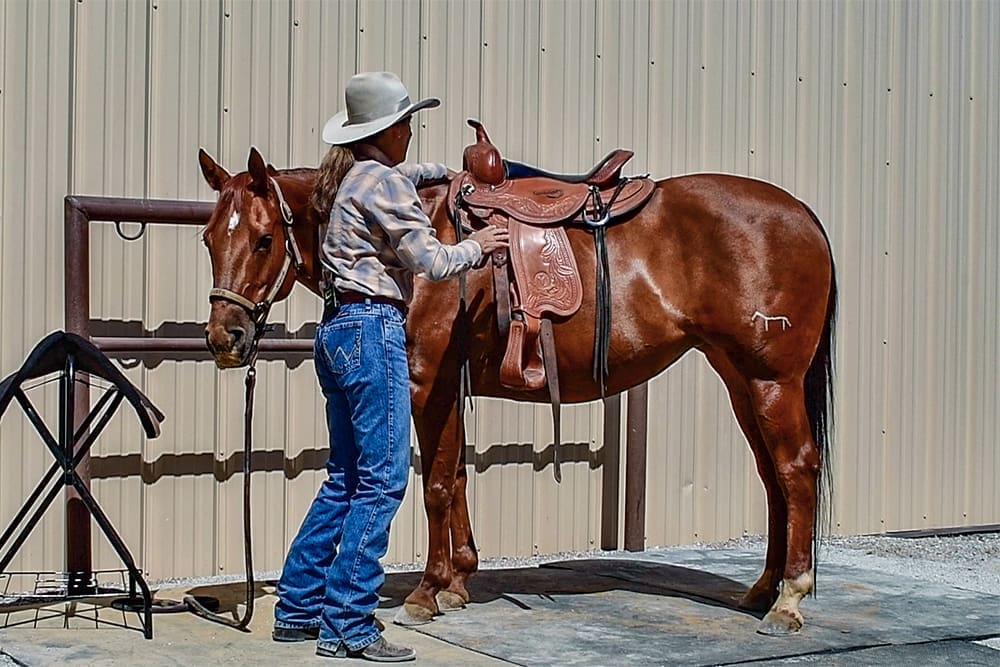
{"points": [[490, 238]]}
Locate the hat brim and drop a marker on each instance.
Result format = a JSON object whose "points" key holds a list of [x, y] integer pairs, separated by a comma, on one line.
{"points": [[337, 132]]}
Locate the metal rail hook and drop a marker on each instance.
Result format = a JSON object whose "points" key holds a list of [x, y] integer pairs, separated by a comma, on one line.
{"points": [[127, 237]]}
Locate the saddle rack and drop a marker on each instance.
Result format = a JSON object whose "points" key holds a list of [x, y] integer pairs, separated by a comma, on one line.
{"points": [[69, 355]]}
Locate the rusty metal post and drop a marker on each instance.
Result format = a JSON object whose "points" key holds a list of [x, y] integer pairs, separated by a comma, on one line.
{"points": [[76, 281], [611, 475], [635, 469]]}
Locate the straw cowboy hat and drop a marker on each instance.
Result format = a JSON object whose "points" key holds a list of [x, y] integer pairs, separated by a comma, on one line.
{"points": [[375, 100]]}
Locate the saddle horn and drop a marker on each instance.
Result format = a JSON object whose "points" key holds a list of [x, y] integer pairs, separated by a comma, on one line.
{"points": [[482, 159]]}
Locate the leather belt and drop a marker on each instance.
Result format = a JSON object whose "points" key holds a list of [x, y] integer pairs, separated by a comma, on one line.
{"points": [[350, 296]]}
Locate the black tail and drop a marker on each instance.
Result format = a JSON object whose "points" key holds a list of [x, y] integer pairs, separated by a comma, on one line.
{"points": [[819, 404]]}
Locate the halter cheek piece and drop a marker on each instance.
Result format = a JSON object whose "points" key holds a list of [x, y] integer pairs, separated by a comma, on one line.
{"points": [[293, 258]]}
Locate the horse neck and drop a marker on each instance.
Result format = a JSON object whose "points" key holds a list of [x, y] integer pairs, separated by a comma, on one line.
{"points": [[297, 186], [433, 197]]}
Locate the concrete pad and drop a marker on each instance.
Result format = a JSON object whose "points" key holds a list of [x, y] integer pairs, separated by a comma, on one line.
{"points": [[115, 638], [668, 607], [933, 654], [679, 607]]}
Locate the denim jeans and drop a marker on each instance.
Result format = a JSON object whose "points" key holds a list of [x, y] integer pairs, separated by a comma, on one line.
{"points": [[332, 572]]}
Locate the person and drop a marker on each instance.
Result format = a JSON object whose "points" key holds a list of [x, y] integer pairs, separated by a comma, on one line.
{"points": [[377, 238]]}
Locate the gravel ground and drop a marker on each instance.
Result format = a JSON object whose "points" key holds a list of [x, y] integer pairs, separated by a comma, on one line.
{"points": [[971, 561]]}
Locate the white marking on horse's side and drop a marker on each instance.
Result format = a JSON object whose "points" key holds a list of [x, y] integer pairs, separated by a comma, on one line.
{"points": [[234, 221], [785, 322]]}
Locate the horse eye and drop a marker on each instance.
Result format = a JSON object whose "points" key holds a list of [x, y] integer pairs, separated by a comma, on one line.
{"points": [[264, 244]]}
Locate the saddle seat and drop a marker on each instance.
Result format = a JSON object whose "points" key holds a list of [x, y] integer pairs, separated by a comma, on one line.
{"points": [[608, 170], [537, 206]]}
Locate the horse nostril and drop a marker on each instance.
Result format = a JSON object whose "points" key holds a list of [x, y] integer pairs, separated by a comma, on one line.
{"points": [[224, 340]]}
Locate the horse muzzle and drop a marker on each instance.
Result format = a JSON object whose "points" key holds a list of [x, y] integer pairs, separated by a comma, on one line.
{"points": [[230, 342]]}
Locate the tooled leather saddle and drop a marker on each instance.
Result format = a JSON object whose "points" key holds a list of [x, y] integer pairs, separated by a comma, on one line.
{"points": [[537, 207]]}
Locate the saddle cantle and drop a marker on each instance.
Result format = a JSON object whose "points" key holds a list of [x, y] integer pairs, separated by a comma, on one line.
{"points": [[537, 207]]}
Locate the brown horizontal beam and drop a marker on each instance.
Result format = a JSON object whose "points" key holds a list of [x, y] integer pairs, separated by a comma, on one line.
{"points": [[142, 345], [120, 209]]}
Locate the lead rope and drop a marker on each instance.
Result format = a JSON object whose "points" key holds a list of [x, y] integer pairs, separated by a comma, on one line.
{"points": [[192, 602], [259, 313]]}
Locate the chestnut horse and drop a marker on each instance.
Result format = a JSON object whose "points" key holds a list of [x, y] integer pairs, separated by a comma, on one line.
{"points": [[734, 267]]}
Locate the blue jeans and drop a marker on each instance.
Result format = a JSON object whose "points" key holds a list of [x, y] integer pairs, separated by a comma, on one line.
{"points": [[332, 572]]}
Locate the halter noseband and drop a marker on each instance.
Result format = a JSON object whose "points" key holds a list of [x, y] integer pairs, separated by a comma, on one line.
{"points": [[293, 258]]}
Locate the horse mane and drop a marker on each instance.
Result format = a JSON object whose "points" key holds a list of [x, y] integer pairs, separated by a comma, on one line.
{"points": [[298, 171]]}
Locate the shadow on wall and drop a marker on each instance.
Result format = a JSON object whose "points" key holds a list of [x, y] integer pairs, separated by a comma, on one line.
{"points": [[186, 465]]}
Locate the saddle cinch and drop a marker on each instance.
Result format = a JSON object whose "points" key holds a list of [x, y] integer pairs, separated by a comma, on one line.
{"points": [[537, 206]]}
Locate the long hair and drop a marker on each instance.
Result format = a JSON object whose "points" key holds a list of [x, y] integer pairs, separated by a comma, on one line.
{"points": [[336, 163], [819, 407]]}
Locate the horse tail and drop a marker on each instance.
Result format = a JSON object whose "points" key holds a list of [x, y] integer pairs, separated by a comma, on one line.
{"points": [[819, 402]]}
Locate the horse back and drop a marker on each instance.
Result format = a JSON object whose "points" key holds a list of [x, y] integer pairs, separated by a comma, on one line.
{"points": [[709, 260]]}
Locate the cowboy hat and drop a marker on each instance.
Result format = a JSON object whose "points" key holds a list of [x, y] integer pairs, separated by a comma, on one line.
{"points": [[375, 100]]}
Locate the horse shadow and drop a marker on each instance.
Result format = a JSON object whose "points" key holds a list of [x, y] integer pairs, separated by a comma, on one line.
{"points": [[520, 585], [584, 577]]}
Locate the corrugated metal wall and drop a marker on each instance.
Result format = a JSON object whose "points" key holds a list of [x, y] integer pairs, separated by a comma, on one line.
{"points": [[884, 116]]}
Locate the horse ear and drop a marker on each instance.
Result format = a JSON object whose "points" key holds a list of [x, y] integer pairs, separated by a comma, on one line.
{"points": [[214, 174], [258, 172]]}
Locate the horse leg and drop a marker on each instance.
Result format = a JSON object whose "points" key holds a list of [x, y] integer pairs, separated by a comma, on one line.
{"points": [[781, 416], [464, 557], [441, 439], [764, 592]]}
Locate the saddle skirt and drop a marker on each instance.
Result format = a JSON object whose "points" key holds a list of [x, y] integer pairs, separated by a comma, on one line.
{"points": [[538, 200]]}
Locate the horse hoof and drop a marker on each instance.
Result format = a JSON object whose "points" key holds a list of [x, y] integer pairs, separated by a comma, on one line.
{"points": [[412, 614], [449, 601], [779, 624]]}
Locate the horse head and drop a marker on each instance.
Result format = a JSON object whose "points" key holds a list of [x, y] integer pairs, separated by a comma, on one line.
{"points": [[255, 257]]}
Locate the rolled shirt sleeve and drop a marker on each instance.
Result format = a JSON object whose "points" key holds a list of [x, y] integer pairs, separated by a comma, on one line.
{"points": [[410, 233], [422, 172]]}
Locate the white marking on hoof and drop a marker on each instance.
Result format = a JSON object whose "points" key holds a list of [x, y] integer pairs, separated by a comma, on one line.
{"points": [[448, 601], [776, 624], [234, 222], [412, 614], [785, 617], [785, 322]]}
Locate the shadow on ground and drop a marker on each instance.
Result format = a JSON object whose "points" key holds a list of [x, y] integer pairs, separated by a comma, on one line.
{"points": [[585, 577]]}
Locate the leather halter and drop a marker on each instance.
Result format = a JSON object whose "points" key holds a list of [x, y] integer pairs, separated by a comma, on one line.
{"points": [[293, 260]]}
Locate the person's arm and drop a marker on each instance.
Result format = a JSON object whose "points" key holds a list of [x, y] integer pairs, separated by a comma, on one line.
{"points": [[422, 172], [395, 204]]}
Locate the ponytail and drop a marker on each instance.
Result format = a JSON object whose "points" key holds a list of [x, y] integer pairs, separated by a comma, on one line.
{"points": [[336, 163]]}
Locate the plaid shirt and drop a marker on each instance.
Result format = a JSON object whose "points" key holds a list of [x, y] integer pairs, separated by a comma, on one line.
{"points": [[379, 236]]}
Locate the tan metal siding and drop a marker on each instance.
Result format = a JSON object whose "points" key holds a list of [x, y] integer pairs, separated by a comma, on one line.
{"points": [[34, 93], [884, 117]]}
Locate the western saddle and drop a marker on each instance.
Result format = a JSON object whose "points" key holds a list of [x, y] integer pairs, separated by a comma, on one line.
{"points": [[536, 207]]}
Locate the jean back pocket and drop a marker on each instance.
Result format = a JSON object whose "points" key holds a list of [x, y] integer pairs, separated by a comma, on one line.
{"points": [[341, 346]]}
